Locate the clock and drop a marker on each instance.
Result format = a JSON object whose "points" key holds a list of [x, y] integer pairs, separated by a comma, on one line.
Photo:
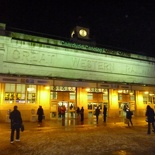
{"points": [[83, 32], [80, 32]]}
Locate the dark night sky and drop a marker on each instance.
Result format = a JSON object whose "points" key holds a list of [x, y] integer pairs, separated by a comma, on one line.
{"points": [[127, 25]]}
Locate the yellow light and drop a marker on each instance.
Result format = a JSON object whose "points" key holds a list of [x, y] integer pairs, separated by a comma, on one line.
{"points": [[30, 89], [83, 32], [146, 92], [151, 94], [119, 91], [47, 87], [87, 89]]}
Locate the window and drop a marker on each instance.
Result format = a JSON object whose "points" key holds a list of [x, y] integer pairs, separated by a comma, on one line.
{"points": [[90, 96], [72, 95], [31, 93], [54, 95], [9, 93], [105, 97], [20, 93], [148, 97], [119, 97]]}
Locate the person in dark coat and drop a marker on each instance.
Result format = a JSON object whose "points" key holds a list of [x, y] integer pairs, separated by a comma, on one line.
{"points": [[16, 122], [82, 114], [150, 117], [97, 112], [78, 111], [129, 116], [104, 113], [40, 113]]}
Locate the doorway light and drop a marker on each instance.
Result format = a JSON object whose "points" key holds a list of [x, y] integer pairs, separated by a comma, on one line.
{"points": [[30, 89], [120, 91], [146, 92], [47, 87], [87, 89]]}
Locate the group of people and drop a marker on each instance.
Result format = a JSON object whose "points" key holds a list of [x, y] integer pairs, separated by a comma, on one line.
{"points": [[150, 118], [16, 119], [97, 113], [61, 111], [80, 112], [16, 122]]}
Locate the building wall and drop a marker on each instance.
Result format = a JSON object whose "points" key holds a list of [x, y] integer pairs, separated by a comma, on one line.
{"points": [[26, 55], [25, 58]]}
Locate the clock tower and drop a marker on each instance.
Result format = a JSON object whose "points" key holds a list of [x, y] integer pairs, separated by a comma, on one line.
{"points": [[81, 34]]}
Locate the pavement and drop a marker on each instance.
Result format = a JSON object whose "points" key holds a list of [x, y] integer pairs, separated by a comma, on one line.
{"points": [[73, 123], [71, 136]]}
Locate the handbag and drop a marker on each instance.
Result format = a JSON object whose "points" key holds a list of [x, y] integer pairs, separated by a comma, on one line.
{"points": [[22, 127], [146, 119], [43, 116]]}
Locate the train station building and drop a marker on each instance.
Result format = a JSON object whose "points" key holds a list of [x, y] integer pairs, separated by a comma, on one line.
{"points": [[37, 70]]}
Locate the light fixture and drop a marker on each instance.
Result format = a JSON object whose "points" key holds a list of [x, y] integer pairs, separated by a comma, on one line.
{"points": [[87, 89], [151, 93], [119, 91], [30, 89], [146, 92], [47, 87]]}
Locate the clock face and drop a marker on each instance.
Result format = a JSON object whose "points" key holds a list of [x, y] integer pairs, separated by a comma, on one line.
{"points": [[83, 32]]}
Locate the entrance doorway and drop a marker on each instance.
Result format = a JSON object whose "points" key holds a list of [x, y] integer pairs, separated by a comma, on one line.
{"points": [[126, 99], [92, 107], [69, 109], [57, 109]]}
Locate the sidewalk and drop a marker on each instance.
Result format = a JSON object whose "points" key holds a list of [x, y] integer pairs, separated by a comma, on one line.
{"points": [[58, 123], [76, 138]]}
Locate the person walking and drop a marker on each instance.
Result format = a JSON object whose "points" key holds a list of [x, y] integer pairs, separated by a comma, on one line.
{"points": [[129, 116], [40, 113], [63, 111], [104, 113], [150, 118], [97, 112], [82, 114], [78, 111], [16, 122]]}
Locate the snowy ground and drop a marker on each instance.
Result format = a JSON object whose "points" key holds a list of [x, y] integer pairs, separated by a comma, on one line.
{"points": [[102, 139]]}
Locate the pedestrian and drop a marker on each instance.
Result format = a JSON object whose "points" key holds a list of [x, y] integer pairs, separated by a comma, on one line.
{"points": [[63, 110], [78, 111], [97, 112], [104, 113], [16, 122], [129, 116], [150, 119], [59, 111], [82, 114], [40, 113]]}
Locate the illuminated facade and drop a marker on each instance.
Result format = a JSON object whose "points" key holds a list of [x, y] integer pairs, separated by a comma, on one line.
{"points": [[42, 71]]}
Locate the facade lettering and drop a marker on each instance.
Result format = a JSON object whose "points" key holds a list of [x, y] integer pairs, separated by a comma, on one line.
{"points": [[26, 56], [34, 57], [16, 54], [135, 70], [30, 57], [92, 65]]}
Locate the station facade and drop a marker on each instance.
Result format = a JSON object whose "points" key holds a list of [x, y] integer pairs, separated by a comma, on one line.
{"points": [[43, 71]]}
